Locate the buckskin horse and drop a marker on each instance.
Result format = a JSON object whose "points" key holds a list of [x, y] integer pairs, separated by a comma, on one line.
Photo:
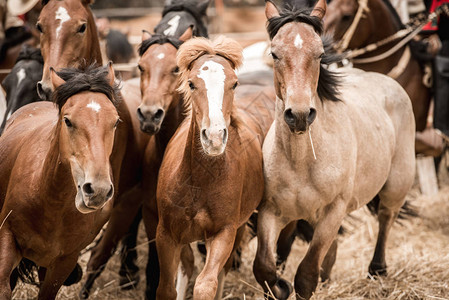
{"points": [[68, 38], [58, 175], [336, 143]]}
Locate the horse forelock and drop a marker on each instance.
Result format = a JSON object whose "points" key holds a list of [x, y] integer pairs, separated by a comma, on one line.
{"points": [[159, 39], [88, 78], [30, 53], [329, 81], [195, 48]]}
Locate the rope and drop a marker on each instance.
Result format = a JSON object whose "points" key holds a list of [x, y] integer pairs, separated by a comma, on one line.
{"points": [[363, 6]]}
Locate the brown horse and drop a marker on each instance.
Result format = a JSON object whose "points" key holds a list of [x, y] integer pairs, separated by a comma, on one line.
{"points": [[58, 173], [69, 37], [379, 21], [337, 142], [211, 176]]}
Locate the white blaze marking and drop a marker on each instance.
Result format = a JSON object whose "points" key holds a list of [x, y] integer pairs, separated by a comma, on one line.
{"points": [[298, 41], [63, 15], [94, 105], [160, 55], [213, 75], [20, 76], [174, 23]]}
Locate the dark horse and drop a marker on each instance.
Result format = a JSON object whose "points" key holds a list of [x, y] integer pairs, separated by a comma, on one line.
{"points": [[160, 114], [380, 21], [20, 84]]}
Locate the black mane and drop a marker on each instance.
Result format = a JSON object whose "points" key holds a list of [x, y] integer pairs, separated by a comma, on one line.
{"points": [[191, 7], [159, 39], [329, 81], [30, 53], [88, 78]]}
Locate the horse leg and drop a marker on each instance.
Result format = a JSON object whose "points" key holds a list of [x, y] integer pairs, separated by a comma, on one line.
{"points": [[386, 216], [9, 259], [219, 249], [326, 231], [129, 277], [169, 252], [328, 262], [185, 272], [269, 226], [55, 276], [121, 218], [284, 244]]}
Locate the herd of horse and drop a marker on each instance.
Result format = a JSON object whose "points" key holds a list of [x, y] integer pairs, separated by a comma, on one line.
{"points": [[194, 150]]}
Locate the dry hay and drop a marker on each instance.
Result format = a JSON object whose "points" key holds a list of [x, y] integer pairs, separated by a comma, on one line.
{"points": [[417, 258]]}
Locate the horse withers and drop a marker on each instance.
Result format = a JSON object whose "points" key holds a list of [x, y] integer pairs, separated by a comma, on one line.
{"points": [[338, 141], [58, 175], [20, 84]]}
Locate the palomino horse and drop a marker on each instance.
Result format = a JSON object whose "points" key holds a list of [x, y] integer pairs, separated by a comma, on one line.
{"points": [[68, 38], [20, 84], [58, 174], [211, 176], [325, 157], [379, 21]]}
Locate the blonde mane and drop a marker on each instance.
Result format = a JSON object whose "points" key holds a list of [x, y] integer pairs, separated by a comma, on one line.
{"points": [[197, 47]]}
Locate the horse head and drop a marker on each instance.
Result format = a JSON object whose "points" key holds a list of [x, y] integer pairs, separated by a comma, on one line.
{"points": [[208, 81], [68, 37], [87, 123]]}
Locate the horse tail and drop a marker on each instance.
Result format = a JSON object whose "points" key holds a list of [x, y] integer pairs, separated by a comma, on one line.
{"points": [[407, 212]]}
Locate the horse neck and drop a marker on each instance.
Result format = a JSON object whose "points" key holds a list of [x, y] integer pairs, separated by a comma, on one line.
{"points": [[174, 117], [384, 25], [296, 148], [56, 172], [94, 51]]}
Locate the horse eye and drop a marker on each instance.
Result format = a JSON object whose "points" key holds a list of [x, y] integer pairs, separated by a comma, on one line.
{"points": [[39, 27], [175, 70], [235, 85], [275, 57], [67, 122], [191, 85], [82, 28]]}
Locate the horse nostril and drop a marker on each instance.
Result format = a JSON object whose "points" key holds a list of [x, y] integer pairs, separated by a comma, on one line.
{"points": [[111, 192], [87, 189], [40, 90], [225, 135], [289, 117], [203, 134], [140, 114], [159, 114], [312, 115]]}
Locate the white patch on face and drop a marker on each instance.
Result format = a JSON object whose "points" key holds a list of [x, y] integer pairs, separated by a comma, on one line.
{"points": [[213, 75], [20, 76], [298, 41], [94, 105], [63, 15], [160, 56], [174, 23]]}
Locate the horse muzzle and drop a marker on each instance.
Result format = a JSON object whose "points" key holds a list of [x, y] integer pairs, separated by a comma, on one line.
{"points": [[43, 90], [297, 121], [92, 196], [214, 140], [150, 118]]}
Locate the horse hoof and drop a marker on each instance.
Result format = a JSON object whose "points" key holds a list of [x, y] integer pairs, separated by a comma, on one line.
{"points": [[376, 269], [75, 276], [281, 290]]}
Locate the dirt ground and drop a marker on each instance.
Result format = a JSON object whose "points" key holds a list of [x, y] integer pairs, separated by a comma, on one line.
{"points": [[417, 257]]}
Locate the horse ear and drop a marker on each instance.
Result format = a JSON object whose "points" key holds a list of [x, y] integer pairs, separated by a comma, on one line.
{"points": [[202, 6], [319, 10], [187, 35], [145, 35], [111, 74], [56, 81], [271, 10]]}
